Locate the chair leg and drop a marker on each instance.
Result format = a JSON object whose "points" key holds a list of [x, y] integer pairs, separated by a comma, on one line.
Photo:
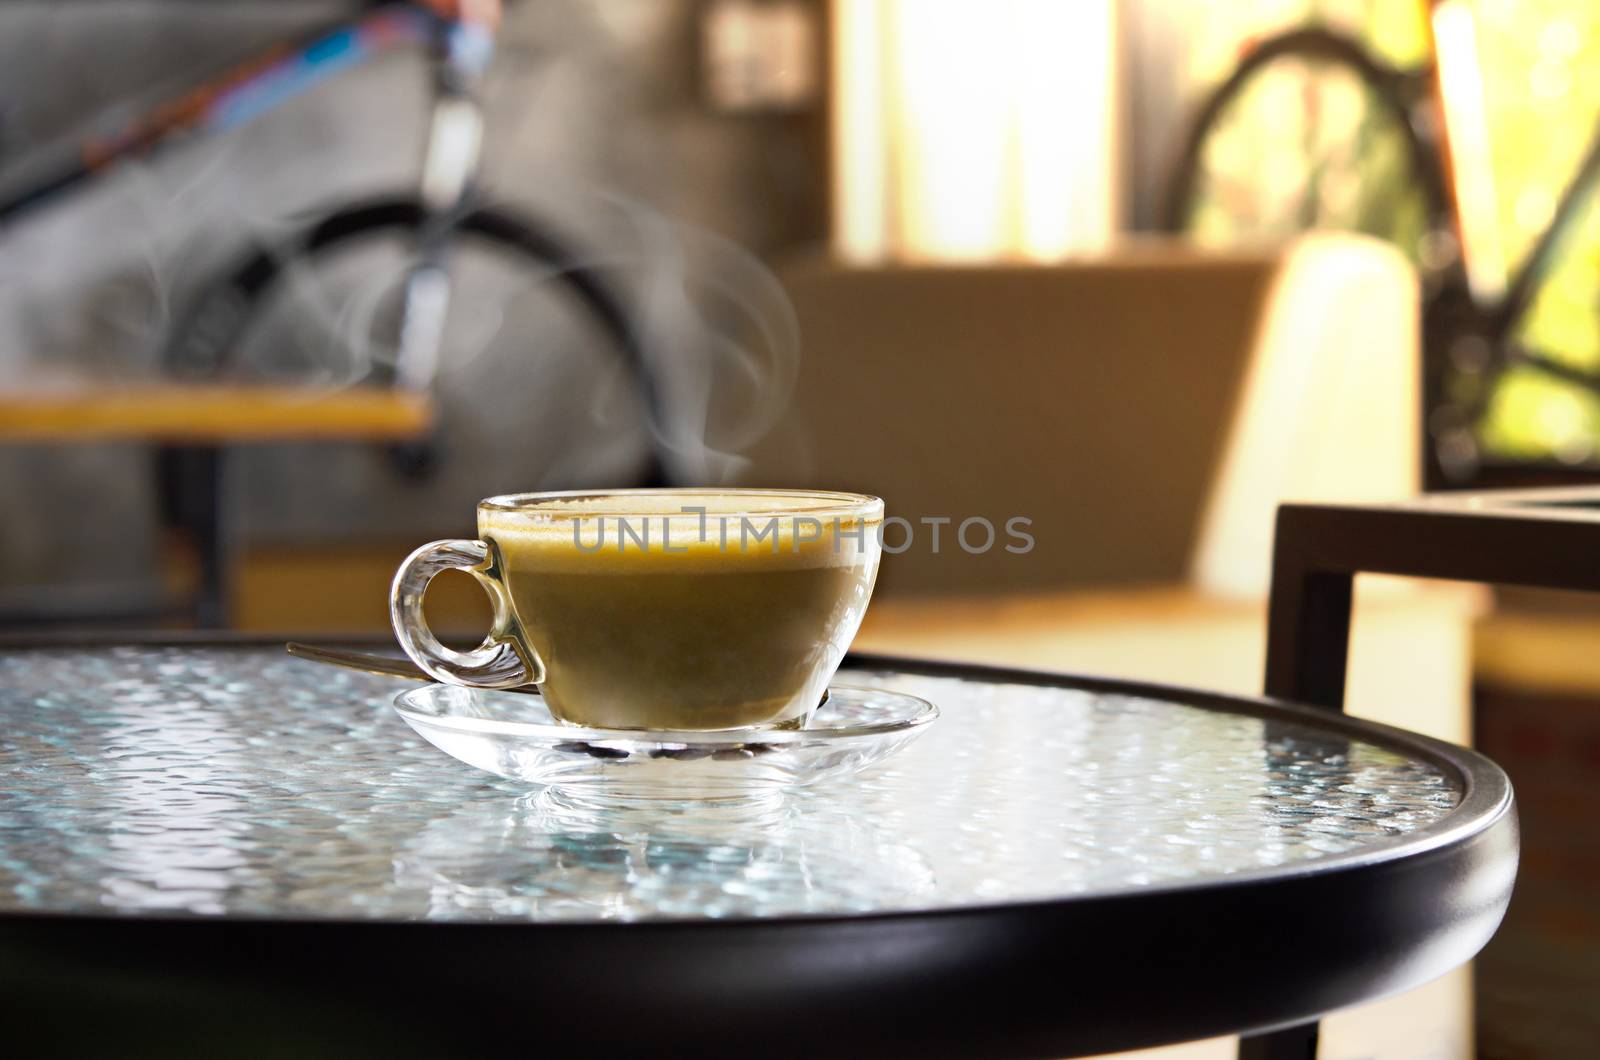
{"points": [[191, 482], [1291, 1043]]}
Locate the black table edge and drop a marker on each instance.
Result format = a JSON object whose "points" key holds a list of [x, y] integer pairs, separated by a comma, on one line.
{"points": [[1382, 919]]}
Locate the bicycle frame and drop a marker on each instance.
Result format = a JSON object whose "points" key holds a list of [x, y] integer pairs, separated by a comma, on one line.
{"points": [[1473, 304], [1464, 151], [460, 37], [1504, 299], [262, 84]]}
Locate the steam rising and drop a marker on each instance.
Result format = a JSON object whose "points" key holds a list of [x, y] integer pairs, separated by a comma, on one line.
{"points": [[715, 328], [720, 336]]}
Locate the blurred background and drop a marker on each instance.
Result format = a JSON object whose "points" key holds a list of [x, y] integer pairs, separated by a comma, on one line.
{"points": [[286, 287]]}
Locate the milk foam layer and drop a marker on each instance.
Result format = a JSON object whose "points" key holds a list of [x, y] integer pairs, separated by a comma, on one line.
{"points": [[639, 534]]}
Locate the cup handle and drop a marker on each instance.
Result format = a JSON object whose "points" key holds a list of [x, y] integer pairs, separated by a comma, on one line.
{"points": [[496, 663]]}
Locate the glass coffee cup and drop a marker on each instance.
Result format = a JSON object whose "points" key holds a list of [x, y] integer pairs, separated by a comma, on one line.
{"points": [[694, 609]]}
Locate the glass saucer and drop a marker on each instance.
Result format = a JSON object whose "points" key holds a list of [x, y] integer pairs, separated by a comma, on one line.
{"points": [[512, 734]]}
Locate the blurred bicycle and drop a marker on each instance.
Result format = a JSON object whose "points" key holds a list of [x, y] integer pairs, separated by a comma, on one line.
{"points": [[1401, 154], [392, 331], [403, 335]]}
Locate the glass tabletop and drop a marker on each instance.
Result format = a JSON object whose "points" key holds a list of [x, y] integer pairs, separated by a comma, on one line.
{"points": [[236, 780]]}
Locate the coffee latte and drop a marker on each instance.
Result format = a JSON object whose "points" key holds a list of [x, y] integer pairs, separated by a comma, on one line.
{"points": [[681, 609]]}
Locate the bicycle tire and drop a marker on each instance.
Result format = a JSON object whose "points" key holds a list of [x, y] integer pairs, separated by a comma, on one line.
{"points": [[1387, 84], [203, 343]]}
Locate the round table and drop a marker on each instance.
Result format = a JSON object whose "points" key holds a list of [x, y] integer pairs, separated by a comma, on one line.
{"points": [[205, 845]]}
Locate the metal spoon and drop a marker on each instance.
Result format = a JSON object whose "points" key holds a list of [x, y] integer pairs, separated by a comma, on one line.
{"points": [[386, 665], [389, 666]]}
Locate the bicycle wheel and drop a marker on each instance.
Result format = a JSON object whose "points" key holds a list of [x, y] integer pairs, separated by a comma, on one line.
{"points": [[321, 311], [1309, 132], [316, 309]]}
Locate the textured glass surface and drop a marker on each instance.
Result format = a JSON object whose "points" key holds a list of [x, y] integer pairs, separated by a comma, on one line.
{"points": [[239, 780]]}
